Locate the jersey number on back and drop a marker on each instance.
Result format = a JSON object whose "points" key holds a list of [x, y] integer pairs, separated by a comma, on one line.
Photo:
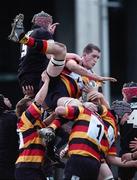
{"points": [[95, 129]]}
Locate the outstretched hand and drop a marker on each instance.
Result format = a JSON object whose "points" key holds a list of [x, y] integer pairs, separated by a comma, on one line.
{"points": [[94, 94], [28, 91], [52, 28], [109, 79]]}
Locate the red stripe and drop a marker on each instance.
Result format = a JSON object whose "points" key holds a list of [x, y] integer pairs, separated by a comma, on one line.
{"points": [[57, 123], [31, 42], [20, 124], [80, 128], [31, 137], [87, 112], [106, 128], [32, 152], [45, 45], [104, 142], [73, 91], [71, 86], [71, 111], [34, 112], [113, 149], [84, 147]]}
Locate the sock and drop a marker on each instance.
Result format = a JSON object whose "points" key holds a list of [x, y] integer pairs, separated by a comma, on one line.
{"points": [[55, 67]]}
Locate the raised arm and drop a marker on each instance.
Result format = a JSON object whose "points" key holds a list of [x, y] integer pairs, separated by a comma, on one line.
{"points": [[41, 95]]}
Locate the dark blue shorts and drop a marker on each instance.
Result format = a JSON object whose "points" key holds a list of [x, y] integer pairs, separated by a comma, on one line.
{"points": [[86, 168], [58, 89], [29, 174]]}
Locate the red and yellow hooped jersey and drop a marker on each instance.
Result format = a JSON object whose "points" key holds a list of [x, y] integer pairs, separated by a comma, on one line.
{"points": [[86, 134], [31, 147], [111, 130]]}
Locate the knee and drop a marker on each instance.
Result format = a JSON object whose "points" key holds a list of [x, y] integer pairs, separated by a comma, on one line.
{"points": [[61, 51]]}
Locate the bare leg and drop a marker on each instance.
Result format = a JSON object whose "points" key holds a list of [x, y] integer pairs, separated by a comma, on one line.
{"points": [[105, 173]]}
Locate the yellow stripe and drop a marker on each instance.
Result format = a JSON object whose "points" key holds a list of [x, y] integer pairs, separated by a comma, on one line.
{"points": [[27, 124], [86, 117], [37, 109], [85, 79], [24, 40], [53, 126], [112, 153], [66, 82], [104, 149], [105, 110], [68, 86], [109, 119], [37, 140], [40, 123], [82, 153], [82, 135], [30, 159]]}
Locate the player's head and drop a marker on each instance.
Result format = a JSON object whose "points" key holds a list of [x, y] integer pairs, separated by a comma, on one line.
{"points": [[5, 103], [42, 19], [91, 54], [129, 91], [120, 108], [22, 105]]}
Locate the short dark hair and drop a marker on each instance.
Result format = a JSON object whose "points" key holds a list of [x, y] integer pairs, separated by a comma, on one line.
{"points": [[130, 84], [22, 105], [90, 47], [120, 108], [42, 19], [3, 106]]}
